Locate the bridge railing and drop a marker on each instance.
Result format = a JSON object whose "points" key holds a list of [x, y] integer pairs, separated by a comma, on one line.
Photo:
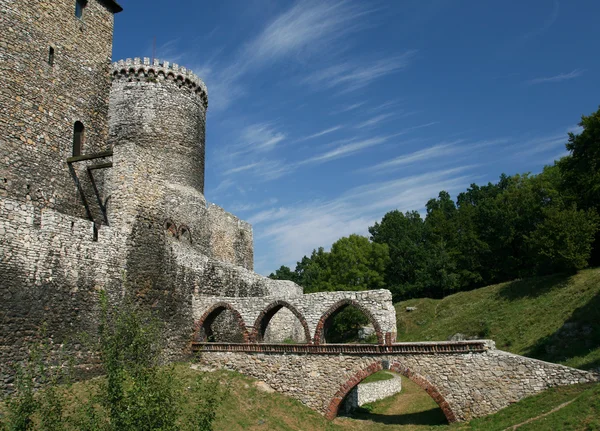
{"points": [[471, 346]]}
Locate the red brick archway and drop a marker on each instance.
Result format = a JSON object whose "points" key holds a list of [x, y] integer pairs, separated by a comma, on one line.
{"points": [[320, 331], [263, 319], [212, 313], [334, 405]]}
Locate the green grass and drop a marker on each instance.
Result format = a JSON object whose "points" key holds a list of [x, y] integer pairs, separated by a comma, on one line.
{"points": [[553, 318], [378, 377]]}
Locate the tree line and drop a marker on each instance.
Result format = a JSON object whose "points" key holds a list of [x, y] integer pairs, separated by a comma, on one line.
{"points": [[520, 226]]}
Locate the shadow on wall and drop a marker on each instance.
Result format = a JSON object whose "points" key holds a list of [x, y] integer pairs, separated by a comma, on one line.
{"points": [[577, 337]]}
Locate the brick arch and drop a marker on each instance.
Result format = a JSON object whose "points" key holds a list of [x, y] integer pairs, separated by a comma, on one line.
{"points": [[319, 331], [268, 312], [334, 405], [213, 312]]}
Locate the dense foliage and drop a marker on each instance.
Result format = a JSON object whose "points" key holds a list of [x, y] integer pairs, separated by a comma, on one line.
{"points": [[520, 226]]}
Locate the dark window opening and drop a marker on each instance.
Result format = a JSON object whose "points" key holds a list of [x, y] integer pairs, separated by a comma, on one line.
{"points": [[51, 56], [79, 5], [78, 137]]}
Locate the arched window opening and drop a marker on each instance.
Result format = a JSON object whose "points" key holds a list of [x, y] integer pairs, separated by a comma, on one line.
{"points": [[171, 228], [347, 322], [78, 138], [51, 56], [221, 325], [281, 323], [185, 234], [79, 6]]}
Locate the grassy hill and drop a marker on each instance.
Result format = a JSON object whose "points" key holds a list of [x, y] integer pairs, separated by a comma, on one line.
{"points": [[554, 318]]}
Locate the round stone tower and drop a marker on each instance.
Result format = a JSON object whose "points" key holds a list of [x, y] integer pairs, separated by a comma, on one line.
{"points": [[157, 116]]}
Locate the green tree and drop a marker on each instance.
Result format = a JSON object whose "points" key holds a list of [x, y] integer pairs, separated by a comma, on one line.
{"points": [[357, 264], [581, 170], [314, 273], [284, 273], [563, 240], [404, 236]]}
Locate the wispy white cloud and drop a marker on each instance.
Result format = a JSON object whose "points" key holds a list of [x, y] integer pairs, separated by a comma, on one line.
{"points": [[551, 19], [437, 151], [352, 76], [374, 120], [261, 137], [308, 26], [321, 133], [557, 78], [542, 144], [345, 150], [347, 108], [294, 231]]}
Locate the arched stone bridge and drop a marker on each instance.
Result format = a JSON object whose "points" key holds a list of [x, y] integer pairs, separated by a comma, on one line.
{"points": [[466, 379], [311, 312]]}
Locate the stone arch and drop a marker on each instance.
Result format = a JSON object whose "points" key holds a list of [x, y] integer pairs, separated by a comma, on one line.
{"points": [[338, 306], [334, 405], [211, 314], [263, 319]]}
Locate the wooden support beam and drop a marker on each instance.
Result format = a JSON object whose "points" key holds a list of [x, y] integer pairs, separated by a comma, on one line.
{"points": [[75, 159]]}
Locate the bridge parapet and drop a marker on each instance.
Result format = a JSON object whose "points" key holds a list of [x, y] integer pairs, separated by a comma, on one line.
{"points": [[442, 347], [312, 311]]}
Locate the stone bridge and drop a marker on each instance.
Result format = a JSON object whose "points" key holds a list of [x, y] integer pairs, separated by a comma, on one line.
{"points": [[467, 379], [310, 312]]}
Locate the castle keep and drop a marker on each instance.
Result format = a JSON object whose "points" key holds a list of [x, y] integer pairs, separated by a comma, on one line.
{"points": [[102, 188]]}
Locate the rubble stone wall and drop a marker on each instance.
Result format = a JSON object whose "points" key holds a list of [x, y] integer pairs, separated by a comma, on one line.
{"points": [[464, 385]]}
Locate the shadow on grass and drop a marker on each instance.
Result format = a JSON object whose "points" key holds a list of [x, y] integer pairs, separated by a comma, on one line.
{"points": [[578, 336], [433, 416], [534, 286]]}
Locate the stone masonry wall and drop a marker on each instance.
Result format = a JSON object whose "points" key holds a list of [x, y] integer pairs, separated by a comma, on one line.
{"points": [[40, 102], [464, 385], [365, 393], [52, 270]]}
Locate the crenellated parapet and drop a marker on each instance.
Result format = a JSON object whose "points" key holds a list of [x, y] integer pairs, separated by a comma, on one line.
{"points": [[143, 69]]}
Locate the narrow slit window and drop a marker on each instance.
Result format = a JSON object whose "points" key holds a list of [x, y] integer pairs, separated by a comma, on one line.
{"points": [[51, 56], [79, 5], [78, 137]]}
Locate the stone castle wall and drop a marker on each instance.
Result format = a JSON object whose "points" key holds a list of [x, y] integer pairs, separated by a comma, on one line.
{"points": [[54, 265], [41, 102]]}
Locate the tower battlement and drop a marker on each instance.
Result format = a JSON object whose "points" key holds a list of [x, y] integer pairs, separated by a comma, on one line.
{"points": [[138, 69]]}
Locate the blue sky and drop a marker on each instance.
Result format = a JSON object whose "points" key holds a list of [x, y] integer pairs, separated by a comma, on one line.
{"points": [[324, 115]]}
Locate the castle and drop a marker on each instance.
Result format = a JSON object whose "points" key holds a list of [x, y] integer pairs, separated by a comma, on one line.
{"points": [[102, 188]]}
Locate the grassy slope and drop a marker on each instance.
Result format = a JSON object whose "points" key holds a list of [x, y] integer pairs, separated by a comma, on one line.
{"points": [[554, 318]]}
